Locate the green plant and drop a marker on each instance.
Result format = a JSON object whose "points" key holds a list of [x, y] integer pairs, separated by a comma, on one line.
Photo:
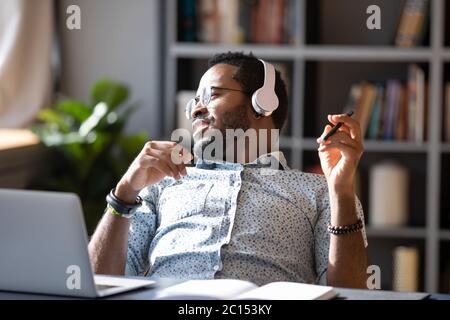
{"points": [[90, 150]]}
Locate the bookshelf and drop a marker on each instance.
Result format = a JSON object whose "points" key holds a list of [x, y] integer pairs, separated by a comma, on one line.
{"points": [[331, 41]]}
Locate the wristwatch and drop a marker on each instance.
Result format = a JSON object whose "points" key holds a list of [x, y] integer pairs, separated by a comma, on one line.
{"points": [[120, 208]]}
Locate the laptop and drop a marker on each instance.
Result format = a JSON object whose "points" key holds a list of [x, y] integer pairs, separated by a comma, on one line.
{"points": [[43, 247]]}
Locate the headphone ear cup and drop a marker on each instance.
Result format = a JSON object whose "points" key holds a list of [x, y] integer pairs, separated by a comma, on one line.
{"points": [[255, 103], [264, 101]]}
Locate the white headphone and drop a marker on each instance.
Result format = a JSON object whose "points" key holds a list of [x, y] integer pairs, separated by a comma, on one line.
{"points": [[265, 100]]}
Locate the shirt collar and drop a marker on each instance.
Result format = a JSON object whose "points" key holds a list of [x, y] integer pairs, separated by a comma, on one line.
{"points": [[262, 161], [265, 160]]}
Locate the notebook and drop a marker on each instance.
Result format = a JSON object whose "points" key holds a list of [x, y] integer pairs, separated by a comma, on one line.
{"points": [[231, 289]]}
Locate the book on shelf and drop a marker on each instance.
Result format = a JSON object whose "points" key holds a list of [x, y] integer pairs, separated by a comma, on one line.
{"points": [[377, 111], [208, 13], [393, 100], [361, 100], [188, 20], [291, 22], [395, 111], [228, 23], [412, 24], [233, 289], [402, 115], [416, 103], [240, 21]]}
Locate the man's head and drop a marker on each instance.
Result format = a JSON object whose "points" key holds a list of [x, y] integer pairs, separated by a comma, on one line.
{"points": [[234, 77]]}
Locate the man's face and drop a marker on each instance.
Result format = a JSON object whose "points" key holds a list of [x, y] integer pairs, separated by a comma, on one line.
{"points": [[226, 110]]}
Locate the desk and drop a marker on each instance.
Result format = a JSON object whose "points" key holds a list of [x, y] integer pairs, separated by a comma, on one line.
{"points": [[149, 294], [22, 158]]}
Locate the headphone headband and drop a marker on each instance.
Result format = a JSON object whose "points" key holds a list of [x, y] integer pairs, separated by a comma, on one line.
{"points": [[269, 75]]}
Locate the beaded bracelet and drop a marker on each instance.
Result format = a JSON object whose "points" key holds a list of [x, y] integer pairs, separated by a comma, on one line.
{"points": [[347, 229], [120, 207]]}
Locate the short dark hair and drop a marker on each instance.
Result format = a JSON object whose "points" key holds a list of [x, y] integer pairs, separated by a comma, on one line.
{"points": [[250, 75]]}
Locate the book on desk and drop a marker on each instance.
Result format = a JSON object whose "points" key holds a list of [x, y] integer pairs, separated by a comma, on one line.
{"points": [[232, 289]]}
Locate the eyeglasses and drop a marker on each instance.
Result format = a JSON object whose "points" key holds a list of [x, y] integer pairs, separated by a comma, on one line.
{"points": [[205, 97]]}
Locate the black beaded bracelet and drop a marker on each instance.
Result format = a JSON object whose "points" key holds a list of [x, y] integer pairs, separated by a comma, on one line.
{"points": [[123, 208], [347, 229]]}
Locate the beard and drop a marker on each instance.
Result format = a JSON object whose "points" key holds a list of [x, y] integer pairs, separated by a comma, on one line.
{"points": [[207, 145]]}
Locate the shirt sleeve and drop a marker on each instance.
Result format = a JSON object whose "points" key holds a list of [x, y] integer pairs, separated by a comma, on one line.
{"points": [[322, 237], [142, 231]]}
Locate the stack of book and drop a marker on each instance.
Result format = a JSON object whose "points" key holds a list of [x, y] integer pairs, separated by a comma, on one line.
{"points": [[240, 21], [412, 25], [393, 112]]}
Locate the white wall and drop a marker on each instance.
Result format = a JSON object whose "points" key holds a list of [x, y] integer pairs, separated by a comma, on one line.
{"points": [[119, 40]]}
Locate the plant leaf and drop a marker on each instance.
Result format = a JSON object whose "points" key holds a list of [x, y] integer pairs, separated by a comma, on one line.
{"points": [[53, 118], [110, 92], [76, 109], [100, 110]]}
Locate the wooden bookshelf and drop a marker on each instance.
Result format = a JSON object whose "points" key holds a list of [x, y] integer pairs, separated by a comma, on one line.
{"points": [[404, 232], [318, 46]]}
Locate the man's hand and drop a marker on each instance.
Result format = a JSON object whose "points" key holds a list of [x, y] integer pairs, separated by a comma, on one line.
{"points": [[339, 157], [154, 162], [340, 154], [158, 159]]}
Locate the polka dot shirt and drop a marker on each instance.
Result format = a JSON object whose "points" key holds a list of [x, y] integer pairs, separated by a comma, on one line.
{"points": [[228, 220]]}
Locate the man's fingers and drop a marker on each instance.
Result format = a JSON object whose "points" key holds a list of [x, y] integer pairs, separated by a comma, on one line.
{"points": [[343, 137], [160, 145], [172, 154], [352, 124], [345, 148], [175, 170], [148, 161], [325, 131], [165, 157]]}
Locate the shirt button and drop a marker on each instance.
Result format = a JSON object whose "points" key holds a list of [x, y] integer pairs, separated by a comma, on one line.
{"points": [[200, 186], [216, 267]]}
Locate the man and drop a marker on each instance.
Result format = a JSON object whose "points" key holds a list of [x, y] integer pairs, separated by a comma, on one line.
{"points": [[226, 219]]}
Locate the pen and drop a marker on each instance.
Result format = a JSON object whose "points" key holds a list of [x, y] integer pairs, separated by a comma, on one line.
{"points": [[336, 127]]}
